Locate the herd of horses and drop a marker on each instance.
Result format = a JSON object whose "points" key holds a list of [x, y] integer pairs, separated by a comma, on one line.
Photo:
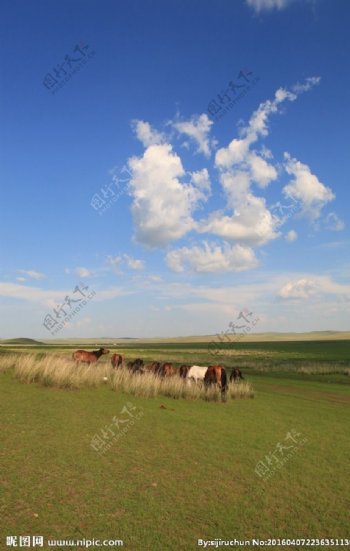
{"points": [[211, 375]]}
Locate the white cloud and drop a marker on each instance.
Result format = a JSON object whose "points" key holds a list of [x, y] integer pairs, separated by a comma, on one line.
{"points": [[210, 257], [291, 236], [82, 272], [237, 150], [162, 205], [311, 285], [32, 274], [21, 279], [251, 222], [118, 261], [260, 170], [134, 263], [309, 83], [306, 188], [201, 180], [165, 197], [31, 294], [146, 134], [197, 129], [303, 288], [333, 222], [268, 5]]}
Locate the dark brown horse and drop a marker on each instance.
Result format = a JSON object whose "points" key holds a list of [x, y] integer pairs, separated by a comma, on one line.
{"points": [[136, 366], [116, 360], [167, 370], [184, 369], [88, 357], [236, 375], [216, 375]]}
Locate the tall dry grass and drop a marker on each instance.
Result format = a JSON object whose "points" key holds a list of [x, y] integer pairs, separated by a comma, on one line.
{"points": [[149, 385], [7, 361], [61, 372]]}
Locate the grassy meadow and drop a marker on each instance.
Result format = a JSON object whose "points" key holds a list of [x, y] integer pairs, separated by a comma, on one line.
{"points": [[183, 467]]}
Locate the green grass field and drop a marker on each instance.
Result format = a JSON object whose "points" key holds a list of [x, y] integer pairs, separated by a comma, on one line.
{"points": [[185, 469]]}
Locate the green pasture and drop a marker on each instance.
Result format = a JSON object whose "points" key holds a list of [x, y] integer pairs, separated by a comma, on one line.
{"points": [[185, 470]]}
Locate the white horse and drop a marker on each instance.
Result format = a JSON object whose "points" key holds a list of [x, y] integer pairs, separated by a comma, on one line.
{"points": [[196, 373]]}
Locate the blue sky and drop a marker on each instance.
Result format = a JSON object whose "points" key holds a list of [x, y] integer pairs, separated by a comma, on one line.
{"points": [[148, 179]]}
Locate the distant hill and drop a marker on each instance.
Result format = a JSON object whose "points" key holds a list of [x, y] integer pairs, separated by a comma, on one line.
{"points": [[22, 340]]}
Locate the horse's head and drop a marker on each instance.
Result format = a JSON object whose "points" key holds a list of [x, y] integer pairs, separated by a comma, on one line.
{"points": [[104, 351]]}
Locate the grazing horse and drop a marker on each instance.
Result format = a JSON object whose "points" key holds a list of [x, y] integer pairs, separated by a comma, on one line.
{"points": [[88, 357], [136, 366], [216, 374], [154, 367], [196, 373], [183, 371], [236, 375], [167, 370], [116, 360]]}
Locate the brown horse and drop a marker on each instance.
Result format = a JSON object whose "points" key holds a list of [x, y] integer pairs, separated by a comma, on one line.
{"points": [[236, 375], [136, 366], [88, 357], [216, 374], [116, 360], [168, 370], [184, 369], [154, 367]]}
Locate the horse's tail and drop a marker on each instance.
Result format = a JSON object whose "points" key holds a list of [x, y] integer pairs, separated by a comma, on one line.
{"points": [[223, 379]]}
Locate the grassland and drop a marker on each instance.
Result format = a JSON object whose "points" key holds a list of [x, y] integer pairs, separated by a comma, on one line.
{"points": [[186, 468]]}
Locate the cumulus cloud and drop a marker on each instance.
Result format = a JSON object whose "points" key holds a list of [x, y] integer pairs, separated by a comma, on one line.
{"points": [[302, 288], [241, 166], [211, 257], [306, 188], [251, 222], [146, 134], [165, 197], [32, 274], [197, 129], [201, 180], [162, 205]]}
